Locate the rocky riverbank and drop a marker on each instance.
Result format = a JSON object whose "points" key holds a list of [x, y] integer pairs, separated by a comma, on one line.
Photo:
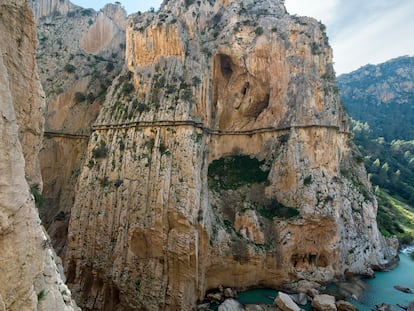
{"points": [[226, 299]]}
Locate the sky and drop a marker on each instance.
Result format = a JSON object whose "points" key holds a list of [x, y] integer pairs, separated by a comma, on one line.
{"points": [[360, 32]]}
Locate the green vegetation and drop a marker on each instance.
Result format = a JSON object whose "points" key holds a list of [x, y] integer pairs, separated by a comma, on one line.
{"points": [[109, 67], [384, 132], [232, 172], [41, 295], [79, 97], [69, 68], [127, 88], [104, 181], [390, 164], [395, 217], [87, 12], [38, 197], [258, 31], [278, 210], [137, 286], [100, 151], [188, 3], [308, 180]]}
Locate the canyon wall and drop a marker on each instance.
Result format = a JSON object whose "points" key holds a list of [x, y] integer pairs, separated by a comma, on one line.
{"points": [[80, 51], [31, 276], [221, 156]]}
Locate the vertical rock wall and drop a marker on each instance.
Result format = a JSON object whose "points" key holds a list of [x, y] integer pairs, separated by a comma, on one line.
{"points": [[80, 51], [30, 272]]}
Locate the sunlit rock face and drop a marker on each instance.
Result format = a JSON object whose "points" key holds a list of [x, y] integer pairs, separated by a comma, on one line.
{"points": [[221, 156], [30, 271]]}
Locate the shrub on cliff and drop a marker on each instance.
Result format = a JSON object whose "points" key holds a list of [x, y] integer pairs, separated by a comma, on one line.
{"points": [[100, 151], [79, 97]]}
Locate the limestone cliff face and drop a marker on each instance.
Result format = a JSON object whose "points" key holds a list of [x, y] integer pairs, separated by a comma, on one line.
{"points": [[79, 53], [49, 8], [221, 156], [18, 48], [30, 271]]}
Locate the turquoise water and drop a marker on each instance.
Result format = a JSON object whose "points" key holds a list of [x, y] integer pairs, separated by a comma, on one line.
{"points": [[380, 289], [261, 296], [257, 296]]}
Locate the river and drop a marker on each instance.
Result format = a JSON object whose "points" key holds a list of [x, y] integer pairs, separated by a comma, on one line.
{"points": [[378, 290], [381, 288]]}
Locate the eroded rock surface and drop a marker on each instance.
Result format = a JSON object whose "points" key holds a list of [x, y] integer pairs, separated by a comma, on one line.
{"points": [[30, 271], [221, 157], [80, 51]]}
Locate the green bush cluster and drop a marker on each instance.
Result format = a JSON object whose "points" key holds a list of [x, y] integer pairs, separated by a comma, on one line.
{"points": [[277, 210], [100, 151], [232, 172]]}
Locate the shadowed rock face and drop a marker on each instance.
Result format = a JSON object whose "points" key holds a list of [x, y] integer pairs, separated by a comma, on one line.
{"points": [[80, 51], [30, 276], [221, 156]]}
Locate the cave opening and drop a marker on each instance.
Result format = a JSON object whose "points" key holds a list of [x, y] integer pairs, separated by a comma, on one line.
{"points": [[261, 105], [226, 66]]}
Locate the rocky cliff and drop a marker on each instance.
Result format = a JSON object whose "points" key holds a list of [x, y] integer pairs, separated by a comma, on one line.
{"points": [[30, 271], [50, 8], [80, 51], [221, 156]]}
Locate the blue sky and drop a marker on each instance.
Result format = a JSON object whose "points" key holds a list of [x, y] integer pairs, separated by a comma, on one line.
{"points": [[360, 32], [131, 6]]}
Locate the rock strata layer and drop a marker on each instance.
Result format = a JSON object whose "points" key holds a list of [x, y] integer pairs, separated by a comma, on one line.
{"points": [[221, 156]]}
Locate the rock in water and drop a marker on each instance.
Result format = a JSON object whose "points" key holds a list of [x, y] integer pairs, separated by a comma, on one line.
{"points": [[342, 305], [300, 299], [230, 305], [383, 307], [221, 155], [285, 303], [403, 289], [410, 306], [324, 303]]}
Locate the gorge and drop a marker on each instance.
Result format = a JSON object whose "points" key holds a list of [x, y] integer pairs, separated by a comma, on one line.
{"points": [[217, 152]]}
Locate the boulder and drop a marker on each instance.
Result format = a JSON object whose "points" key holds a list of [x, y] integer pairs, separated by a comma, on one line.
{"points": [[216, 297], [229, 293], [383, 307], [324, 303], [230, 305], [403, 289], [285, 303], [261, 307], [300, 299], [203, 307], [410, 306], [343, 305], [312, 292], [252, 307]]}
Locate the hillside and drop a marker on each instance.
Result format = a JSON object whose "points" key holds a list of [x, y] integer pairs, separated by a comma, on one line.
{"points": [[380, 100]]}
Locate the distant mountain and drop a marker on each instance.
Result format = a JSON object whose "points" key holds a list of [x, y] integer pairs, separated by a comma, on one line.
{"points": [[383, 96], [380, 101]]}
